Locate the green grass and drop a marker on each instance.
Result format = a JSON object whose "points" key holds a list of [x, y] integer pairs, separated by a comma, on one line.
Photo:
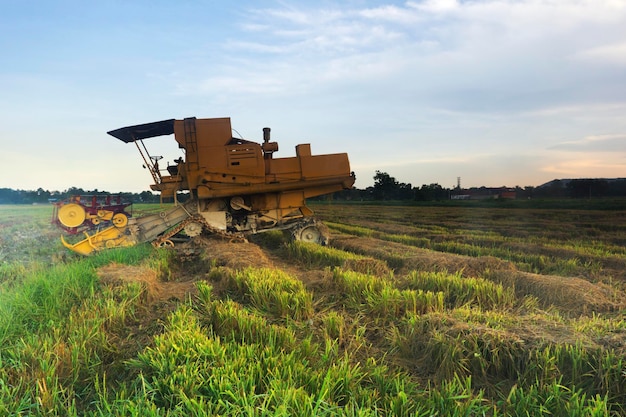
{"points": [[459, 290], [55, 334], [314, 255], [271, 291], [378, 296], [191, 369], [334, 333]]}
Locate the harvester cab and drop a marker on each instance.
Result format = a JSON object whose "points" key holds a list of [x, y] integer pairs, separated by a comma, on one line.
{"points": [[237, 187]]}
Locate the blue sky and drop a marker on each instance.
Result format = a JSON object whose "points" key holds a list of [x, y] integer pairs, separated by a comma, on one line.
{"points": [[506, 92]]}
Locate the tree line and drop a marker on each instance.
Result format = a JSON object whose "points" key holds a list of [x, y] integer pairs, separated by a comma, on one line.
{"points": [[41, 196], [385, 187]]}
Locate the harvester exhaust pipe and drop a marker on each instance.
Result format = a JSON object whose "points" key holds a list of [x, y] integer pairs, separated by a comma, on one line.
{"points": [[268, 147]]}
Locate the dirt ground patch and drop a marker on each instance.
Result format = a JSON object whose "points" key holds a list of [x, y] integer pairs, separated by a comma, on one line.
{"points": [[232, 254], [155, 291], [239, 255], [192, 262]]}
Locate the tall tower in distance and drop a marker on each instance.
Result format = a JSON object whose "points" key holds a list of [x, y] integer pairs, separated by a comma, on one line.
{"points": [[458, 183]]}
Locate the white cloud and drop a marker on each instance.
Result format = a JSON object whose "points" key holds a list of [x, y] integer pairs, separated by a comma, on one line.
{"points": [[390, 13], [616, 109], [614, 53], [435, 6], [587, 168], [487, 55], [612, 143]]}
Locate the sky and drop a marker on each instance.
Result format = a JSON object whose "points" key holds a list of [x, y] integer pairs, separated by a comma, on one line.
{"points": [[494, 92]]}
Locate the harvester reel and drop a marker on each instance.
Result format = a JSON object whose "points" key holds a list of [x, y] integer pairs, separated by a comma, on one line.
{"points": [[71, 215]]}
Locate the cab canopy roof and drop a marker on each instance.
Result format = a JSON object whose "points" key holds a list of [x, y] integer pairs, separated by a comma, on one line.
{"points": [[146, 130]]}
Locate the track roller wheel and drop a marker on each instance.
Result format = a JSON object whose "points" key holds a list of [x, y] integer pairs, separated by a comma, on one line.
{"points": [[311, 232], [193, 229], [71, 215], [120, 219]]}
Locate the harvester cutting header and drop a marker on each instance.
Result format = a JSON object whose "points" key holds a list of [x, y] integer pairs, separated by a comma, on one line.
{"points": [[237, 187]]}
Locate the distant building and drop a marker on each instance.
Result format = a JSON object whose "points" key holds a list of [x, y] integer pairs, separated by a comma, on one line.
{"points": [[484, 193], [583, 188], [564, 182]]}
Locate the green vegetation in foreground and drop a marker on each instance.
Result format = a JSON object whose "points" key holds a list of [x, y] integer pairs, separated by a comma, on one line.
{"points": [[257, 341], [265, 352]]}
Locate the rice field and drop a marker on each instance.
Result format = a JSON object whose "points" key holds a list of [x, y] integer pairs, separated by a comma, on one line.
{"points": [[410, 311]]}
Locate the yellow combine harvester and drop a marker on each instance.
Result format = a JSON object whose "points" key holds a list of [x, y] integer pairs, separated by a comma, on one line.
{"points": [[237, 187]]}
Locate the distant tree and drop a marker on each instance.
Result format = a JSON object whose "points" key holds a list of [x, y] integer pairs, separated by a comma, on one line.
{"points": [[431, 192], [385, 186], [9, 196], [74, 191], [146, 197], [525, 193], [41, 196], [406, 191]]}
